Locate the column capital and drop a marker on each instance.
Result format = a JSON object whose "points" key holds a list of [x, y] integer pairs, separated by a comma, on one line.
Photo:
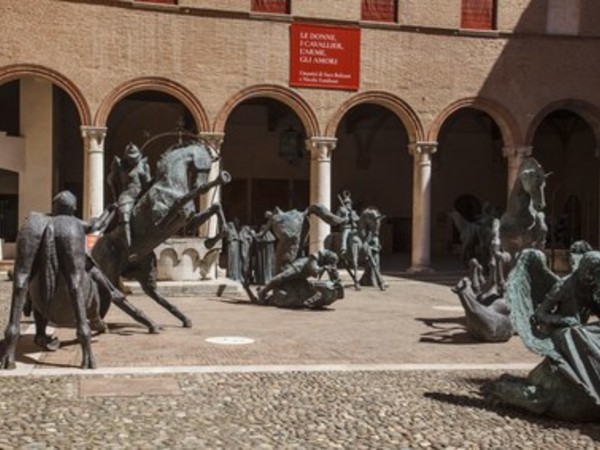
{"points": [[213, 139], [321, 147], [523, 151], [422, 148], [96, 133]]}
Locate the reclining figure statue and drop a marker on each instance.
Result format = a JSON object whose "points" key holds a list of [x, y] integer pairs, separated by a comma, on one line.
{"points": [[551, 315], [299, 285]]}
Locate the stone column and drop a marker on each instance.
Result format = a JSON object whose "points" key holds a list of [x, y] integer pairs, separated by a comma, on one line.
{"points": [[421, 213], [320, 149], [515, 157], [93, 170], [36, 181], [214, 141]]}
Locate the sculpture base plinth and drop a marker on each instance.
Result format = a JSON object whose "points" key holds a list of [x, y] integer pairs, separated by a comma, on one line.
{"points": [[184, 259]]}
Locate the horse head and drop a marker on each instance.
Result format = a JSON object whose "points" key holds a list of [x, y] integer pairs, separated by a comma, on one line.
{"points": [[533, 181], [370, 220]]}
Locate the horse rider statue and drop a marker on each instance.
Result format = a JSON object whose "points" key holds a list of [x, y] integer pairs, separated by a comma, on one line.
{"points": [[350, 220], [128, 178]]}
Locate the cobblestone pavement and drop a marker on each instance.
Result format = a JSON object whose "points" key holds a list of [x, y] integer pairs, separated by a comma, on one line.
{"points": [[290, 409]]}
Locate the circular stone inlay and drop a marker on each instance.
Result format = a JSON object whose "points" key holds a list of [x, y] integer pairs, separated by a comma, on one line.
{"points": [[230, 340]]}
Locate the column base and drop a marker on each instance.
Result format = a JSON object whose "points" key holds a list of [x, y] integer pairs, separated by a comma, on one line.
{"points": [[418, 269]]}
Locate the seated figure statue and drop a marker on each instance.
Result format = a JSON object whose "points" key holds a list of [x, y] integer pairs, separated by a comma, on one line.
{"points": [[551, 315]]}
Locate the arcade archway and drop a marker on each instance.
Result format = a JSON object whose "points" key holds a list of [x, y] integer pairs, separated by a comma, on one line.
{"points": [[372, 161], [265, 152], [565, 144], [469, 164], [39, 123]]}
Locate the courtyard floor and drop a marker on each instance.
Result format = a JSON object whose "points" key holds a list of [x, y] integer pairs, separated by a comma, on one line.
{"points": [[391, 369]]}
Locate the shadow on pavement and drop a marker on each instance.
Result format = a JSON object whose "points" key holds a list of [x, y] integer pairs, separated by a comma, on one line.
{"points": [[447, 330], [485, 401]]}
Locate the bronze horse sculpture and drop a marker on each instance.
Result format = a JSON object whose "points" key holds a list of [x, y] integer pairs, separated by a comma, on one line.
{"points": [[521, 227], [166, 207], [63, 283], [53, 245], [56, 280], [523, 223]]}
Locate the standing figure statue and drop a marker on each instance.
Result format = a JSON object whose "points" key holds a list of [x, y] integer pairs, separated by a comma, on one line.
{"points": [[264, 269], [128, 178], [350, 220], [247, 239], [232, 242]]}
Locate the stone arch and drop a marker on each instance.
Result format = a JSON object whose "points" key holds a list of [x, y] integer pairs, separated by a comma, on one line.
{"points": [[16, 71], [282, 94], [164, 85], [511, 135], [407, 116], [588, 112]]}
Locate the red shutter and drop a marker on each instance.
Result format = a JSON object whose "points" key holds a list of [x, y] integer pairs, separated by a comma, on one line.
{"points": [[271, 6], [168, 2], [379, 10], [478, 14]]}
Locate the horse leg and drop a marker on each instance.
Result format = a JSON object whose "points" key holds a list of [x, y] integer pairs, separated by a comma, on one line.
{"points": [[70, 251], [351, 271], [84, 333], [352, 260], [41, 339], [200, 218], [107, 290], [146, 276], [13, 329], [28, 242]]}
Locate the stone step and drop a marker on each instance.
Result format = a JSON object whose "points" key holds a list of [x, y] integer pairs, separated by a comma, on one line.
{"points": [[205, 288]]}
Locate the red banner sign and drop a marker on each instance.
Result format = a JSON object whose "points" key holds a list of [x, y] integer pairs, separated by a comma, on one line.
{"points": [[324, 57]]}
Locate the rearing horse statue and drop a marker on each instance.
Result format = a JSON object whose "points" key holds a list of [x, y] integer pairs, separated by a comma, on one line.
{"points": [[166, 207], [523, 224]]}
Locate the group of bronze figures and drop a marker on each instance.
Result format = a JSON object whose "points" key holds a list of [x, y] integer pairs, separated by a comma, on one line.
{"points": [[511, 290], [275, 255], [57, 281]]}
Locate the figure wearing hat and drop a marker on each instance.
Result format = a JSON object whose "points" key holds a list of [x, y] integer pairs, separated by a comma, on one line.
{"points": [[350, 217], [128, 178]]}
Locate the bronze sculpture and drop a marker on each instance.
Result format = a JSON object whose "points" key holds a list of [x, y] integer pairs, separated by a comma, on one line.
{"points": [[292, 284], [551, 315], [128, 178], [521, 226], [164, 208], [355, 240], [299, 284], [56, 280]]}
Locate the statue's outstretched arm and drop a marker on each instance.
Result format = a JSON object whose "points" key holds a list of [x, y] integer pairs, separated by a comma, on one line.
{"points": [[99, 224]]}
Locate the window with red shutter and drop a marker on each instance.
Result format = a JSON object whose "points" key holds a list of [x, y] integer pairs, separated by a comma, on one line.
{"points": [[166, 2], [379, 10], [478, 14], [271, 6]]}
